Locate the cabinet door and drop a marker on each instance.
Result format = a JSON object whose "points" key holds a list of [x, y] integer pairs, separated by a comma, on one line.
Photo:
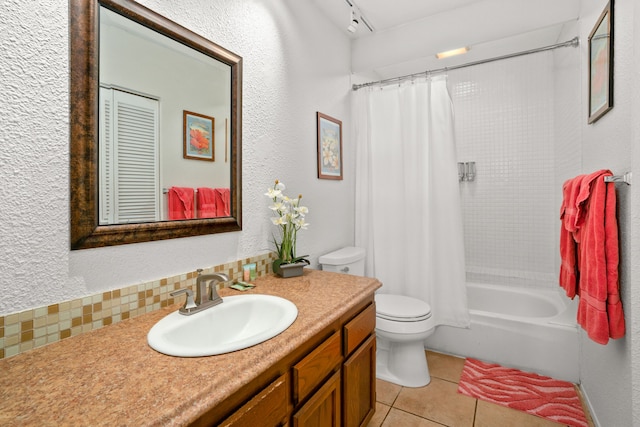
{"points": [[323, 409], [359, 376]]}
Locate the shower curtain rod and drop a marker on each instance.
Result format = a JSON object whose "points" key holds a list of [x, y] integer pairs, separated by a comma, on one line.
{"points": [[573, 42]]}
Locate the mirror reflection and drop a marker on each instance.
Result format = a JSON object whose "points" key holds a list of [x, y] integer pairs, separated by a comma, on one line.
{"points": [[164, 127], [155, 128]]}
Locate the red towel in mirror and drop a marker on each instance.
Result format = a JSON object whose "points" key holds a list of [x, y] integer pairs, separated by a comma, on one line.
{"points": [[180, 203], [206, 202], [223, 202]]}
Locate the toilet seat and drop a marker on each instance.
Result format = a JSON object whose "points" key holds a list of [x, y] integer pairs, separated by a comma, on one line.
{"points": [[400, 308]]}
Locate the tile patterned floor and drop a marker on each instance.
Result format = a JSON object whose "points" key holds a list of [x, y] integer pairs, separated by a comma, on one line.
{"points": [[439, 404]]}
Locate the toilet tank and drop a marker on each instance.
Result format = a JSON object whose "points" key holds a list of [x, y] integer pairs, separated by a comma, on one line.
{"points": [[349, 260]]}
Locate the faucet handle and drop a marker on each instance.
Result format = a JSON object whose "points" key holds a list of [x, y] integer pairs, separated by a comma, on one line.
{"points": [[189, 304]]}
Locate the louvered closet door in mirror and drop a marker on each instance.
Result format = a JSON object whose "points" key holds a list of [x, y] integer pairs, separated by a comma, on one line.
{"points": [[129, 179]]}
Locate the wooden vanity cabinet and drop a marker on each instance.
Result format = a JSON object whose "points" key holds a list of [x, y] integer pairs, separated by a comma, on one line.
{"points": [[349, 398], [327, 382]]}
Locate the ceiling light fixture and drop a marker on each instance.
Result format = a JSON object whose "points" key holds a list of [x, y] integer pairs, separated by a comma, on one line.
{"points": [[452, 52], [353, 22], [357, 14]]}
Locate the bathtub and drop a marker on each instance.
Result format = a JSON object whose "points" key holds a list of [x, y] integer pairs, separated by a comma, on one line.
{"points": [[532, 329]]}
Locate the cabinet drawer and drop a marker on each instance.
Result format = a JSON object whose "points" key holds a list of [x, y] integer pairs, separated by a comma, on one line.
{"points": [[359, 328], [313, 369], [267, 408]]}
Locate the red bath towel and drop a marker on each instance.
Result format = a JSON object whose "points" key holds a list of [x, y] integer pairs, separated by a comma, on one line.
{"points": [[592, 229], [223, 202], [206, 203], [600, 309], [575, 194], [180, 203], [568, 215]]}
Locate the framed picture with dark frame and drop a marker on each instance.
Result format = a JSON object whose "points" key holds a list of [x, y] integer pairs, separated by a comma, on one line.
{"points": [[329, 140], [601, 65], [198, 136]]}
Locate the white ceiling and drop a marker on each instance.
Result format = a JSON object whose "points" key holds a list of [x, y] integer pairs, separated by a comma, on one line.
{"points": [[384, 14], [408, 33]]}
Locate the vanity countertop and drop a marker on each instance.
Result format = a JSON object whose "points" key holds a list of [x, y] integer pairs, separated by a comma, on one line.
{"points": [[110, 376]]}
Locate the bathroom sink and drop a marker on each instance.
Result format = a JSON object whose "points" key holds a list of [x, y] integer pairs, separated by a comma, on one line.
{"points": [[241, 321]]}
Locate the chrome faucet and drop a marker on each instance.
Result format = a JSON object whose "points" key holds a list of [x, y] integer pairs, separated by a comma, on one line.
{"points": [[205, 298]]}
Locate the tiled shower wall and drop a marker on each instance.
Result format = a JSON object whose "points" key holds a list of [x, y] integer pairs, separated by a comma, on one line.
{"points": [[506, 116]]}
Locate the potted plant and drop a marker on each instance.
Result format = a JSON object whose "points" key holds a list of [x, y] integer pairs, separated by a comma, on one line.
{"points": [[290, 218]]}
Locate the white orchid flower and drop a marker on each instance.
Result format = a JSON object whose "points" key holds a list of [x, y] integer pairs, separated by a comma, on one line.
{"points": [[285, 209], [301, 224], [290, 219], [278, 221], [272, 193], [278, 206]]}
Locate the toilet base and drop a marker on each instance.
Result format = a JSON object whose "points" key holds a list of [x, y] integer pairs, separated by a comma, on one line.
{"points": [[404, 364]]}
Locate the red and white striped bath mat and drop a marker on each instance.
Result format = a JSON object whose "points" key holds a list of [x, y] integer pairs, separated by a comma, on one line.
{"points": [[532, 393]]}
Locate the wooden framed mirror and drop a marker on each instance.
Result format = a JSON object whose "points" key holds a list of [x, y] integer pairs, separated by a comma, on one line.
{"points": [[88, 227]]}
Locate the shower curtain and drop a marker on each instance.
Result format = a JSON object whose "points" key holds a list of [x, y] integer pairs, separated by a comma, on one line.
{"points": [[407, 207]]}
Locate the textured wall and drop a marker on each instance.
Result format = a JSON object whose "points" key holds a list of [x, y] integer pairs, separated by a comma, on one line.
{"points": [[34, 153], [633, 303], [606, 371], [295, 63]]}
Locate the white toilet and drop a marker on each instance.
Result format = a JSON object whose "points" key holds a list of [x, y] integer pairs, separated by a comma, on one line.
{"points": [[402, 325]]}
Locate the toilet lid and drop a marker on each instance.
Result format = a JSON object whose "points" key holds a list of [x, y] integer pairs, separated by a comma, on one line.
{"points": [[401, 308]]}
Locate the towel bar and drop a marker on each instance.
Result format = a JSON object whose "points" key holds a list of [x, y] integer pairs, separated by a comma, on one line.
{"points": [[166, 190], [626, 178]]}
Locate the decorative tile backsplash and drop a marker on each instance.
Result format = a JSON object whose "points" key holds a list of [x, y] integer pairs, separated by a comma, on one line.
{"points": [[37, 327]]}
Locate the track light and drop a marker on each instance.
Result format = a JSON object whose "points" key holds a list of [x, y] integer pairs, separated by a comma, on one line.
{"points": [[353, 23]]}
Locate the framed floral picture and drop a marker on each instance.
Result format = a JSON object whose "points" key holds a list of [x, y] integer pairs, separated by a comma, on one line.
{"points": [[198, 136], [601, 65], [329, 147]]}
